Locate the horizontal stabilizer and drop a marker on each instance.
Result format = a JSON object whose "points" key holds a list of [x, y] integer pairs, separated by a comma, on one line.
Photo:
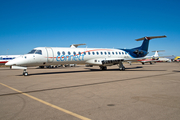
{"points": [[149, 38], [159, 51]]}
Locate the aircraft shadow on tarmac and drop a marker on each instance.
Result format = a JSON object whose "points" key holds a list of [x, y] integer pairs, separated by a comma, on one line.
{"points": [[91, 70], [176, 71], [88, 84]]}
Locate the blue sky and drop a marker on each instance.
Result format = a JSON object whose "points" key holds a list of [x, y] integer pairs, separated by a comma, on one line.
{"points": [[25, 25]]}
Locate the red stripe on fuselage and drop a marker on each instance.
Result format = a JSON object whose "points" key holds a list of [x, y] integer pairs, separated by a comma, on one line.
{"points": [[3, 62]]}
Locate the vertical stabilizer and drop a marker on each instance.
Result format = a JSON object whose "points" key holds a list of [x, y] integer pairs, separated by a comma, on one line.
{"points": [[156, 53], [145, 43]]}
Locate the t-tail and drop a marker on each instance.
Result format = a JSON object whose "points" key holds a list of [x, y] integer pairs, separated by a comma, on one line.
{"points": [[143, 49], [156, 53]]}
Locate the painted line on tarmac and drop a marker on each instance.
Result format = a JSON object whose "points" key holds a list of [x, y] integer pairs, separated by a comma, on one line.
{"points": [[49, 104]]}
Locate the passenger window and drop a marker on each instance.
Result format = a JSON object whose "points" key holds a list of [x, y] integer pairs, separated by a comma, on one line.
{"points": [[113, 53], [123, 53], [97, 53], [69, 53], [84, 53], [79, 53], [101, 53], [109, 53], [105, 53], [93, 53], [89, 53], [74, 53], [58, 53], [120, 53], [116, 53], [63, 53]]}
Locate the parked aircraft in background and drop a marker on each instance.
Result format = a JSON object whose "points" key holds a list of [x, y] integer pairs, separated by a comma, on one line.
{"points": [[155, 58], [164, 59], [43, 56], [5, 58], [177, 58]]}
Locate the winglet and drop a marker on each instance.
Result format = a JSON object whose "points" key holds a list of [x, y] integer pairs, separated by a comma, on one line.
{"points": [[149, 38]]}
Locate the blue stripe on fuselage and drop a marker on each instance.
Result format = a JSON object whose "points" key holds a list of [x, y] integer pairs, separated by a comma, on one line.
{"points": [[141, 53]]}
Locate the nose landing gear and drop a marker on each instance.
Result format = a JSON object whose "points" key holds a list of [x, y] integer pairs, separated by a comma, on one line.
{"points": [[25, 73]]}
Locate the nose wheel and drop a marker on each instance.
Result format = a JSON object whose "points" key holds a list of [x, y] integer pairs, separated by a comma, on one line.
{"points": [[25, 73]]}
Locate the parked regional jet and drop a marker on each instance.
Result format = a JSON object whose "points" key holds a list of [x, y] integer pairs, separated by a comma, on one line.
{"points": [[5, 58], [154, 58], [42, 56]]}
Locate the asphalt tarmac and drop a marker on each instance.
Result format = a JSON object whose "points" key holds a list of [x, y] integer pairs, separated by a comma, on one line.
{"points": [[142, 92]]}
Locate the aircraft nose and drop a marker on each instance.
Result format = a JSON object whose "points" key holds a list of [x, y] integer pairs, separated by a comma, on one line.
{"points": [[8, 63]]}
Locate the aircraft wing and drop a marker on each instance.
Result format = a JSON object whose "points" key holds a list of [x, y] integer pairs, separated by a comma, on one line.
{"points": [[135, 59], [172, 56], [76, 45], [114, 61], [146, 61]]}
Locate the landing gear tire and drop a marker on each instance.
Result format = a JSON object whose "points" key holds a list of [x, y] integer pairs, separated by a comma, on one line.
{"points": [[121, 66], [142, 63], [25, 73], [122, 69], [103, 67]]}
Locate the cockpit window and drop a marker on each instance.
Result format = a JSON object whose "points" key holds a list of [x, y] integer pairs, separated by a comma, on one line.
{"points": [[35, 52], [32, 51], [38, 52]]}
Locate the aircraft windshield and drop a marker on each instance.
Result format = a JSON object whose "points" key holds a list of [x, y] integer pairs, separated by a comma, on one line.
{"points": [[32, 51], [38, 52], [35, 52]]}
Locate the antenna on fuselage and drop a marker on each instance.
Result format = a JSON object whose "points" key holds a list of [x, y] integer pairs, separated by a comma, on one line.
{"points": [[76, 45]]}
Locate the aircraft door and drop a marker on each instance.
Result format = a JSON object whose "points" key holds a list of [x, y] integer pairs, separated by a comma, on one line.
{"points": [[50, 54]]}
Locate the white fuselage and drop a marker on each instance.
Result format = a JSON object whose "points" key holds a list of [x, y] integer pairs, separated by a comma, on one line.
{"points": [[43, 56]]}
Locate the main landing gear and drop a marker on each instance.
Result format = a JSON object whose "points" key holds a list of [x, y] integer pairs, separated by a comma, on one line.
{"points": [[121, 66], [103, 67], [25, 73]]}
